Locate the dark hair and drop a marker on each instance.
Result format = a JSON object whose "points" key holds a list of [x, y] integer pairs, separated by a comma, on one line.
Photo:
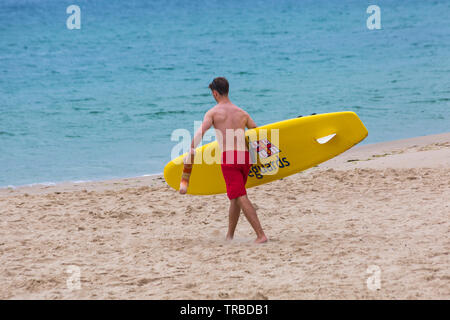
{"points": [[221, 85]]}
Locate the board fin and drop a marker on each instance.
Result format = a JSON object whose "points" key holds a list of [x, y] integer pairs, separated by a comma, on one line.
{"points": [[325, 139]]}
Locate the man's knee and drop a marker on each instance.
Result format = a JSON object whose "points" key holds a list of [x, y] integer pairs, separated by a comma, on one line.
{"points": [[242, 199]]}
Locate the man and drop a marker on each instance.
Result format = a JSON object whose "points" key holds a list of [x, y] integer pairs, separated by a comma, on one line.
{"points": [[230, 122]]}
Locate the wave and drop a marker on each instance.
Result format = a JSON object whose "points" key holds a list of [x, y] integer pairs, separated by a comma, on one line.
{"points": [[160, 113], [51, 184]]}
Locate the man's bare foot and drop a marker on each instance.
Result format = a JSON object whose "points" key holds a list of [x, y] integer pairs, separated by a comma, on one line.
{"points": [[261, 239], [183, 187], [229, 238]]}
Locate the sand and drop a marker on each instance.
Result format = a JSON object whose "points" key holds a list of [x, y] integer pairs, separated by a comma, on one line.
{"points": [[383, 207]]}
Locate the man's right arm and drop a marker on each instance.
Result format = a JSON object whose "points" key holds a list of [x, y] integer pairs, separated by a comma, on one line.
{"points": [[250, 123]]}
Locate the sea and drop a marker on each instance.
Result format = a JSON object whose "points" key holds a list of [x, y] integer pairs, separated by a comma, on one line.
{"points": [[96, 93]]}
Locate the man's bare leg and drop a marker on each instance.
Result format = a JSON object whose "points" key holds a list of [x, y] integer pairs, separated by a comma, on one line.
{"points": [[250, 214], [233, 217]]}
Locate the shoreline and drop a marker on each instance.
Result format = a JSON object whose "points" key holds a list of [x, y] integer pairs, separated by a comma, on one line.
{"points": [[359, 153], [76, 182]]}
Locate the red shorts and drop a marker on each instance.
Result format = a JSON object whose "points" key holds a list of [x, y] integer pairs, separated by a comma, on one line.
{"points": [[235, 167]]}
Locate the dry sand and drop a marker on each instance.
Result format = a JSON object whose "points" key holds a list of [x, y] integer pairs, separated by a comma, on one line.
{"points": [[384, 205]]}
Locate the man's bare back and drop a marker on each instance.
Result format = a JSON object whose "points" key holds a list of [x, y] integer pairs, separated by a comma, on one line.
{"points": [[230, 122]]}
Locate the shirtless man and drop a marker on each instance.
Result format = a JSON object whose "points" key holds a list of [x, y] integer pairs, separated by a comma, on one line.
{"points": [[230, 122]]}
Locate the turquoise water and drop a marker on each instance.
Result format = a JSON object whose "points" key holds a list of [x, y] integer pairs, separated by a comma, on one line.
{"points": [[101, 102]]}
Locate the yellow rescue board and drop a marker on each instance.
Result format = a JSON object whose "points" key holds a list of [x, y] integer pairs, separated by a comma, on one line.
{"points": [[302, 143]]}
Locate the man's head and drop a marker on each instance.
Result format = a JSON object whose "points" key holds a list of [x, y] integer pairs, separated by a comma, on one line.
{"points": [[219, 88]]}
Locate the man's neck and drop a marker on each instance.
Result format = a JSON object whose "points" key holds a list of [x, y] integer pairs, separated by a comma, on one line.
{"points": [[223, 100]]}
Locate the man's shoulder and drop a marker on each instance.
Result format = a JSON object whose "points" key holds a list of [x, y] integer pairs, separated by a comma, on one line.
{"points": [[219, 109], [212, 110], [241, 110]]}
